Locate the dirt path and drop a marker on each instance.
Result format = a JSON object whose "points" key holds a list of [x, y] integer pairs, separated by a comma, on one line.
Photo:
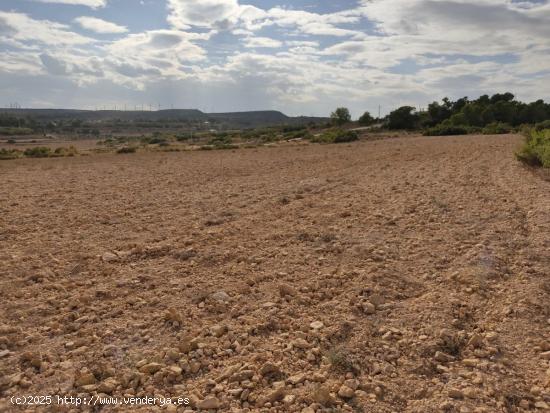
{"points": [[401, 275]]}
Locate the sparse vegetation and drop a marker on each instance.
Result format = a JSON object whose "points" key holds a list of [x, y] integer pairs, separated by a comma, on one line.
{"points": [[497, 128], [446, 129], [15, 131], [542, 125], [62, 151], [9, 154], [536, 149], [127, 149], [336, 136], [38, 152], [340, 359]]}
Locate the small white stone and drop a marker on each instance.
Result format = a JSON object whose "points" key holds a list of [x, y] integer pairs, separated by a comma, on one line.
{"points": [[109, 257], [317, 325]]}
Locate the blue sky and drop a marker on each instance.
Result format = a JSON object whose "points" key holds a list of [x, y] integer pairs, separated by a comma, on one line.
{"points": [[298, 56]]}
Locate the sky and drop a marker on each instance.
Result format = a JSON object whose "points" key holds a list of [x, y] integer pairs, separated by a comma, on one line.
{"points": [[302, 57]]}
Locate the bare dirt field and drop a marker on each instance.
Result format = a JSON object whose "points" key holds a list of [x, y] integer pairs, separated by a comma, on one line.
{"points": [[399, 275]]}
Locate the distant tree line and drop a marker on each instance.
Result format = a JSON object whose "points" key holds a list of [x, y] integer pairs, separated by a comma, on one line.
{"points": [[498, 113]]}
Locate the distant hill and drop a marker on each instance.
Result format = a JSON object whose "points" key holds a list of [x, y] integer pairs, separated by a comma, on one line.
{"points": [[252, 119]]}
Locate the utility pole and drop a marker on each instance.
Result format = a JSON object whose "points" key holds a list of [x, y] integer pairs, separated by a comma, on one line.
{"points": [[379, 109]]}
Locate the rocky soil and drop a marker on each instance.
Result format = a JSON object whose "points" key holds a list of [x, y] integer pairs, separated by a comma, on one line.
{"points": [[401, 275]]}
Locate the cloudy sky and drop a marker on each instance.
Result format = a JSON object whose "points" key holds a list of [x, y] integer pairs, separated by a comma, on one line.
{"points": [[298, 56]]}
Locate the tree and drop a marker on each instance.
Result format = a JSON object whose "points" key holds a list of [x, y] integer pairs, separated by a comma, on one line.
{"points": [[438, 113], [366, 119], [459, 104], [403, 118], [502, 97], [340, 116]]}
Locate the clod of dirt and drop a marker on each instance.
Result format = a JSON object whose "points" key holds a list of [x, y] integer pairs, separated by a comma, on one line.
{"points": [[210, 403]]}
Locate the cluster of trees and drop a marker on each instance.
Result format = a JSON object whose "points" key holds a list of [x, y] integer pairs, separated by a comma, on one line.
{"points": [[498, 113], [341, 116], [479, 113], [9, 121]]}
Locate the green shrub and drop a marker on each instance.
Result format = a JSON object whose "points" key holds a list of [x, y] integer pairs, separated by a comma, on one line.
{"points": [[346, 136], [294, 128], [182, 137], [220, 140], [158, 141], [11, 141], [341, 359], [9, 154], [536, 149], [220, 146], [127, 149], [15, 131], [447, 130], [300, 134], [106, 142], [336, 136], [496, 128], [38, 152], [70, 151], [542, 125]]}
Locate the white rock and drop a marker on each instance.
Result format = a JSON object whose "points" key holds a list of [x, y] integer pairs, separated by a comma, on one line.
{"points": [[317, 325], [220, 296], [109, 257]]}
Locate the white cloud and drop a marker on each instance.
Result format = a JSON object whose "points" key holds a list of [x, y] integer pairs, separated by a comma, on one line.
{"points": [[313, 23], [20, 63], [21, 27], [432, 41], [89, 3], [258, 42], [412, 29], [99, 25], [140, 58], [302, 43], [225, 14], [204, 13], [457, 20]]}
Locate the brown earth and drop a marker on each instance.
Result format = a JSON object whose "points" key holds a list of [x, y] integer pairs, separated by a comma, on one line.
{"points": [[400, 275]]}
